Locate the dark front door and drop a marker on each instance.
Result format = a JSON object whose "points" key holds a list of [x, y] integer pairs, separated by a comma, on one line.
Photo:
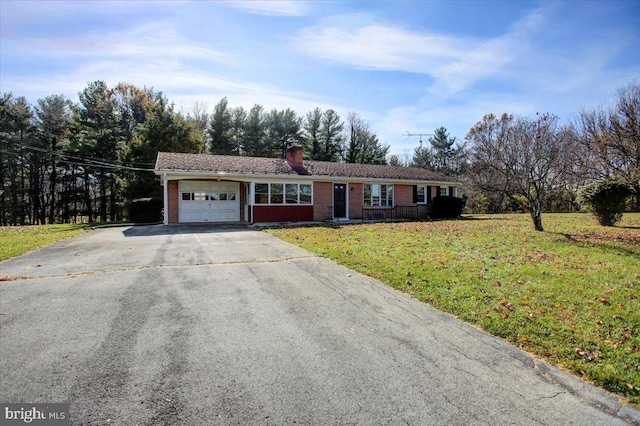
{"points": [[339, 200]]}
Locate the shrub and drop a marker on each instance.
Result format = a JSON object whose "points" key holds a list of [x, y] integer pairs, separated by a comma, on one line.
{"points": [[145, 210], [606, 199], [447, 206]]}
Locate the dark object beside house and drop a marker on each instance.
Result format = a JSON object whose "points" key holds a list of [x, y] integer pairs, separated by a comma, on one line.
{"points": [[447, 207], [377, 216], [145, 210]]}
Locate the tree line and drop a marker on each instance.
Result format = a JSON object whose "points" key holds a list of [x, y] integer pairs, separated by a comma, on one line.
{"points": [[62, 161], [510, 163]]}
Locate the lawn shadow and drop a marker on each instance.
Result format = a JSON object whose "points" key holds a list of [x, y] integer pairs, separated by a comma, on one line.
{"points": [[588, 242]]}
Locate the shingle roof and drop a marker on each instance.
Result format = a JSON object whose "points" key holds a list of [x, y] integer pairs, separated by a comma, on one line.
{"points": [[179, 162]]}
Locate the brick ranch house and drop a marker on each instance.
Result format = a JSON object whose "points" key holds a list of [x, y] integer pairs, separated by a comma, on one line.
{"points": [[220, 188]]}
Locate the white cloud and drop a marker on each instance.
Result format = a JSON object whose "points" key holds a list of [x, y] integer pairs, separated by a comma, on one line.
{"points": [[271, 7], [454, 63], [151, 41], [381, 47]]}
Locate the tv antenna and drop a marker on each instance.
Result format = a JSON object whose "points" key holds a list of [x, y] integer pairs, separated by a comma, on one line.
{"points": [[420, 135]]}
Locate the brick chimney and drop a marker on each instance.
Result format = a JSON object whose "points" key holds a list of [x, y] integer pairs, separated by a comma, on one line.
{"points": [[294, 155]]}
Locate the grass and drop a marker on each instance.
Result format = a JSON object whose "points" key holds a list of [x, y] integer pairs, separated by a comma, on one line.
{"points": [[17, 240], [570, 295]]}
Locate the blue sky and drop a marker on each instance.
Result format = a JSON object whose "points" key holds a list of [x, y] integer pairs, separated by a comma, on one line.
{"points": [[402, 65]]}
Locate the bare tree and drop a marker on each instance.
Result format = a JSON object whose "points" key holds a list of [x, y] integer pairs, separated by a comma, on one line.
{"points": [[610, 138], [520, 158]]}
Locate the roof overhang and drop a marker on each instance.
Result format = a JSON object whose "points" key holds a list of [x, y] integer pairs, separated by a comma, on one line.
{"points": [[269, 177]]}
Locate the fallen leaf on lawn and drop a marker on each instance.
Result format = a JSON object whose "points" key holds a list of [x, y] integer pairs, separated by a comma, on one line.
{"points": [[585, 354]]}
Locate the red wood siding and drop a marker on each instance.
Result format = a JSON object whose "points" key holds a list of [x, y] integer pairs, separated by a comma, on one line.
{"points": [[322, 201], [282, 213]]}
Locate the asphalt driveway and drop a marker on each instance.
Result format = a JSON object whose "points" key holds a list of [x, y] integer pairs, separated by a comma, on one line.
{"points": [[224, 325]]}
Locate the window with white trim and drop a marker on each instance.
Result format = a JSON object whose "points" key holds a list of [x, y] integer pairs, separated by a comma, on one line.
{"points": [[421, 194], [282, 193], [444, 190], [377, 195]]}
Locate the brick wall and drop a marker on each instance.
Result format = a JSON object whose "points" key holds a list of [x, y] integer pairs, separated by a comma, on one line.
{"points": [[403, 195], [322, 201], [355, 200], [173, 201]]}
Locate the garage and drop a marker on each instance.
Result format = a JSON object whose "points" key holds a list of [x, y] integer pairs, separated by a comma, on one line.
{"points": [[209, 201]]}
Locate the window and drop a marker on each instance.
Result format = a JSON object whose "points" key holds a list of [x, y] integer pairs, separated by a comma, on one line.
{"points": [[376, 195], [292, 193], [187, 196], [444, 190], [262, 193], [277, 193], [282, 193], [421, 194], [305, 193]]}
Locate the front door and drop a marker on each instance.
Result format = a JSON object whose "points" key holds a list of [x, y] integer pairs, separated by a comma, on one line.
{"points": [[339, 200]]}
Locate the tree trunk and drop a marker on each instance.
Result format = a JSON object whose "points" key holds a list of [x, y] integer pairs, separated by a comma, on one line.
{"points": [[535, 210], [87, 195], [52, 192]]}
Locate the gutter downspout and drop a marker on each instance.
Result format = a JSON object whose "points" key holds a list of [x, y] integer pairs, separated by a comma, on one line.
{"points": [[165, 219]]}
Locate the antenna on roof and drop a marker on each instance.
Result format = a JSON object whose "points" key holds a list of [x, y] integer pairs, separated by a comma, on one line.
{"points": [[408, 135]]}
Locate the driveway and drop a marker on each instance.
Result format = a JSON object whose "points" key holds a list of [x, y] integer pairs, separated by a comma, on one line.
{"points": [[225, 325]]}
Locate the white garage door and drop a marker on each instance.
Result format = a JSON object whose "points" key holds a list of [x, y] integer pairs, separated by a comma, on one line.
{"points": [[205, 201]]}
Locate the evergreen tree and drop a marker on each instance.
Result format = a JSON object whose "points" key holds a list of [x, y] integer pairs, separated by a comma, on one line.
{"points": [[282, 129], [53, 123], [447, 159], [165, 130], [362, 145], [16, 131], [99, 142], [331, 136], [220, 129], [254, 132], [311, 139], [237, 130]]}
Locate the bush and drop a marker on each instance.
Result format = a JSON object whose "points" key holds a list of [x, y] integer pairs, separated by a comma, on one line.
{"points": [[605, 199], [447, 206], [145, 210]]}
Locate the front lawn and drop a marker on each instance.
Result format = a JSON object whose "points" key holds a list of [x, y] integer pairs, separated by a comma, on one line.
{"points": [[17, 240], [570, 294]]}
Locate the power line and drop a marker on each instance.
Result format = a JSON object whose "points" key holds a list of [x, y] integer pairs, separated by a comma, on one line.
{"points": [[82, 161]]}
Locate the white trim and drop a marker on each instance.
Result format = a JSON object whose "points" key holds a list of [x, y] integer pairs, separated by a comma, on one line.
{"points": [[165, 190], [284, 203], [426, 196]]}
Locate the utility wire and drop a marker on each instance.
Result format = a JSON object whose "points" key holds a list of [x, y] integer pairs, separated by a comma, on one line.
{"points": [[82, 161]]}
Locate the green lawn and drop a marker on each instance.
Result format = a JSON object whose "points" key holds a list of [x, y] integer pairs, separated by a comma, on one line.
{"points": [[17, 240], [570, 294]]}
